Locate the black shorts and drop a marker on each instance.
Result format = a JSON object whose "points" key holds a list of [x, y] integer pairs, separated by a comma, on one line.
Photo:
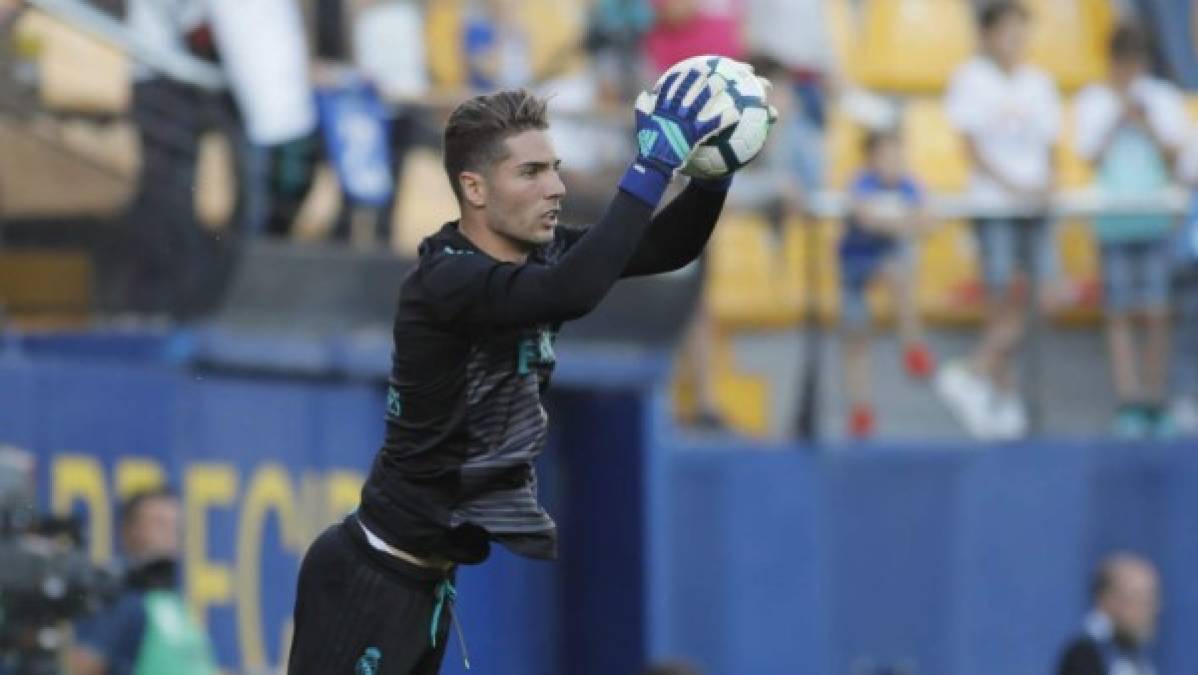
{"points": [[359, 611]]}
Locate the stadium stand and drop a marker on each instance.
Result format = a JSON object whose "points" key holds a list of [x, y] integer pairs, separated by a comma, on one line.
{"points": [[935, 151], [894, 52], [1069, 39], [103, 87]]}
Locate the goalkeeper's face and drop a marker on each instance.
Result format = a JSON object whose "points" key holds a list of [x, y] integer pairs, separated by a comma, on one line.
{"points": [[525, 190]]}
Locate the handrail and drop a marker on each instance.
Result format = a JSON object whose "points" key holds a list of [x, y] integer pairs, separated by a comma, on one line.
{"points": [[1081, 203], [177, 65]]}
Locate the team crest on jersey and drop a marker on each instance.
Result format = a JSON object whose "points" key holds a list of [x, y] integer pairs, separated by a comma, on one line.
{"points": [[394, 406], [536, 350], [368, 663]]}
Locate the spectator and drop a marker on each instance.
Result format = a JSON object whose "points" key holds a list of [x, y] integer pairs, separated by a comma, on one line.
{"points": [[774, 183], [498, 50], [808, 72], [262, 51], [614, 32], [1009, 114], [1122, 623], [887, 215], [1131, 128], [148, 629], [686, 28], [170, 116]]}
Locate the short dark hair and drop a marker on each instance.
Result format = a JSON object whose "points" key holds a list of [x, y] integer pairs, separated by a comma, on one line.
{"points": [[875, 137], [133, 503], [477, 128], [994, 13], [1130, 42]]}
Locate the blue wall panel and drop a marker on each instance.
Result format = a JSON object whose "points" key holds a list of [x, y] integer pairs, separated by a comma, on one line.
{"points": [[746, 559], [959, 560], [744, 577]]}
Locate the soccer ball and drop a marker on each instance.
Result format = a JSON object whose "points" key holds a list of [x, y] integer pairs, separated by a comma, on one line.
{"points": [[733, 85]]}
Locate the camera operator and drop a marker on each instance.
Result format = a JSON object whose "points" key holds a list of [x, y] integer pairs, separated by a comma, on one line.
{"points": [[147, 629]]}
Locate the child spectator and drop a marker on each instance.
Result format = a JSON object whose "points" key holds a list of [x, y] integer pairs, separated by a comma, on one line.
{"points": [[1131, 128], [1009, 115], [886, 217]]}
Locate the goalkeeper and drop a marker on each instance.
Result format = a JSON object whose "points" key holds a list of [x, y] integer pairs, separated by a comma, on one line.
{"points": [[474, 333]]}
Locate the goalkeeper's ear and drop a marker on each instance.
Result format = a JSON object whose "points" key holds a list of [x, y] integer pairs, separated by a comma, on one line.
{"points": [[474, 189]]}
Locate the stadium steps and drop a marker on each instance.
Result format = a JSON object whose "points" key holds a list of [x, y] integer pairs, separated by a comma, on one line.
{"points": [[48, 288], [59, 49]]}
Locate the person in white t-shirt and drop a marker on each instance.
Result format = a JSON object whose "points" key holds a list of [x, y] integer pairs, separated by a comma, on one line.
{"points": [[1008, 113], [1131, 128], [263, 54]]}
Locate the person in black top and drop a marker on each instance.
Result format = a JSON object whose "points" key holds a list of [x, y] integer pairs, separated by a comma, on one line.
{"points": [[474, 334], [1122, 623]]}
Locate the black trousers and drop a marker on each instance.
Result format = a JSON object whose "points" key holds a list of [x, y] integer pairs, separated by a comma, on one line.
{"points": [[359, 611]]}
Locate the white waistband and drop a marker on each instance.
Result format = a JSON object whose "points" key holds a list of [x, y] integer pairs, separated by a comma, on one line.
{"points": [[376, 542]]}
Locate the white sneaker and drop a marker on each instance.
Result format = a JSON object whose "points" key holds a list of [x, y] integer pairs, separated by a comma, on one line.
{"points": [[1009, 422], [968, 397], [1184, 412]]}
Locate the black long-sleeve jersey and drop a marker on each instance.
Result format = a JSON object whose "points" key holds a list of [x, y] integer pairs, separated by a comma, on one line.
{"points": [[474, 353]]}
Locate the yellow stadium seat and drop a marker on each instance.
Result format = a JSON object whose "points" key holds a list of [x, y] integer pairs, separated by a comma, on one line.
{"points": [[792, 279], [1079, 259], [842, 140], [947, 281], [742, 399], [443, 44], [1072, 171], [1068, 39], [555, 28], [935, 151], [1192, 107], [740, 275], [913, 45], [425, 201], [844, 29]]}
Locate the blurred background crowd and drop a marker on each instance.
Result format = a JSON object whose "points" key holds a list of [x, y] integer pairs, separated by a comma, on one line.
{"points": [[895, 198]]}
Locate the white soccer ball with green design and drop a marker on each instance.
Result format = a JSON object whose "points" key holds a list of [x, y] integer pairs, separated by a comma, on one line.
{"points": [[735, 91]]}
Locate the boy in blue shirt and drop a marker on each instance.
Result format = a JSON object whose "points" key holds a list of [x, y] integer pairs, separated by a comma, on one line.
{"points": [[1130, 128], [886, 216]]}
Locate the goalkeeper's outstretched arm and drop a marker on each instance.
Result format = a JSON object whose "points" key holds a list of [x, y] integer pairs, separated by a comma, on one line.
{"points": [[677, 235], [477, 290]]}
